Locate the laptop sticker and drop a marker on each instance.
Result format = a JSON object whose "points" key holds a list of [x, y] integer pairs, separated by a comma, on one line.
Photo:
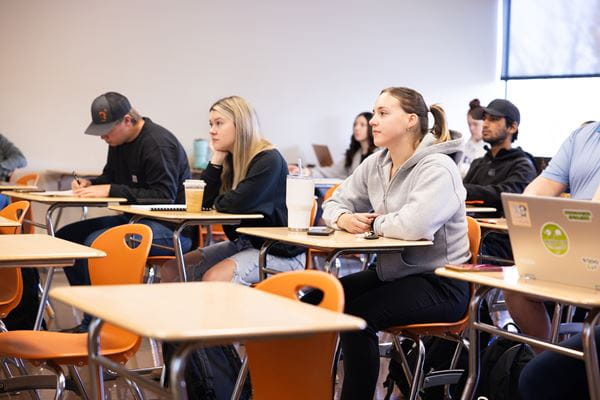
{"points": [[578, 215], [554, 239], [591, 263], [519, 213]]}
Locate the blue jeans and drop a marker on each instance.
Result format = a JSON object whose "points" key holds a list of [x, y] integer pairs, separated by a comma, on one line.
{"points": [[553, 376], [4, 201], [85, 232]]}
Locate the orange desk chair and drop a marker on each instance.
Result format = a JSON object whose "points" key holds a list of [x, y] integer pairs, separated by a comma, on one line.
{"points": [[122, 265], [298, 368], [11, 281], [29, 179], [446, 330]]}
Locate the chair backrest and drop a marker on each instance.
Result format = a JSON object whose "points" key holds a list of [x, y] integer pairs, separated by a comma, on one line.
{"points": [[29, 179], [330, 191], [15, 211], [474, 231], [11, 281], [122, 265], [298, 368], [11, 290]]}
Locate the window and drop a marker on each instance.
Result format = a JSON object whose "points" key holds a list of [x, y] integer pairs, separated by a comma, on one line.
{"points": [[546, 39]]}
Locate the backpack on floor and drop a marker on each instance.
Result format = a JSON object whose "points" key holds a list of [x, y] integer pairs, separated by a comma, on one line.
{"points": [[211, 372], [501, 364]]}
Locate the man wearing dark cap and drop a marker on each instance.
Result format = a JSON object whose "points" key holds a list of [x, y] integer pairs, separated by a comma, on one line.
{"points": [[502, 169], [146, 164]]}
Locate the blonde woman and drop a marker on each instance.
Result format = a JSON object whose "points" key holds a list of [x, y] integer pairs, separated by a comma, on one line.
{"points": [[414, 188], [245, 175]]}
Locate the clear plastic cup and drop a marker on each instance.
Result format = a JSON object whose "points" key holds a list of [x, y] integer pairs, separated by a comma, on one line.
{"points": [[194, 194], [299, 195]]}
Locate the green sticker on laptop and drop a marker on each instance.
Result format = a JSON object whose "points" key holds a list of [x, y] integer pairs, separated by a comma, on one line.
{"points": [[555, 239], [578, 215]]}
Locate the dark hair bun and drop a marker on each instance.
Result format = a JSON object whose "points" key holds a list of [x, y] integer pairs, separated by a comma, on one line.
{"points": [[473, 104]]}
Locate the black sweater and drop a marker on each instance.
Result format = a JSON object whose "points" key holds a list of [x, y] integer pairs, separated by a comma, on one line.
{"points": [[510, 171], [151, 169], [262, 191]]}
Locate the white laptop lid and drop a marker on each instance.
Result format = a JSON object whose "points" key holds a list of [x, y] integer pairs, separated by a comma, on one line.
{"points": [[555, 239]]}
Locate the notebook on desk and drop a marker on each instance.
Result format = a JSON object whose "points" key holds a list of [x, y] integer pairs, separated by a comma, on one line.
{"points": [[323, 155], [555, 239]]}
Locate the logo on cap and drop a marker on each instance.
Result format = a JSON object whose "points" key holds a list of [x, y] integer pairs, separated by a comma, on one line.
{"points": [[103, 116]]}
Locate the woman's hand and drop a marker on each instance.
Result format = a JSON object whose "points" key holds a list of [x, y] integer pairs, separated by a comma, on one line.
{"points": [[218, 157], [357, 222]]}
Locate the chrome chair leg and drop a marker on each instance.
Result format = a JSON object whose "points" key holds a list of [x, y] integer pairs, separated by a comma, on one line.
{"points": [[61, 380], [74, 373]]}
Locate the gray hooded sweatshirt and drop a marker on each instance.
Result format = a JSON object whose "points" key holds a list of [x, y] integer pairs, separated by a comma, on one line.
{"points": [[425, 199]]}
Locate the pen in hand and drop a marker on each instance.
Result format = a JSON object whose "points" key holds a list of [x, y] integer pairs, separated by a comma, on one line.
{"points": [[76, 178]]}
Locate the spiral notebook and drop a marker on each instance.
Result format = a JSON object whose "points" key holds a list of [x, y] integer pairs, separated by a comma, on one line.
{"points": [[160, 207]]}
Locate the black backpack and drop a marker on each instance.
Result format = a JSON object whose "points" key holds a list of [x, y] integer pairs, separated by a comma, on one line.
{"points": [[210, 373], [501, 364]]}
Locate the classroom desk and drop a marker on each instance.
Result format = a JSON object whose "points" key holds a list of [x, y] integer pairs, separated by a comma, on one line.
{"points": [[480, 210], [338, 243], [60, 202], [183, 219], [8, 223], [509, 280], [194, 314], [493, 224], [42, 251], [21, 188]]}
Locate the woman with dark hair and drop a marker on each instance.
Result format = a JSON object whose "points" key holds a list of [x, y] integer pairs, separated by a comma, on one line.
{"points": [[410, 190], [361, 146], [474, 146]]}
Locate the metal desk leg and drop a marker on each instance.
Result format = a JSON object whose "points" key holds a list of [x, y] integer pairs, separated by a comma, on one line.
{"points": [[96, 369], [44, 296], [179, 251], [590, 355], [178, 363], [330, 266], [473, 376], [262, 259]]}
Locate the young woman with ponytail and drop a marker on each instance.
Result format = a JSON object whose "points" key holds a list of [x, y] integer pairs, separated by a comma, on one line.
{"points": [[410, 190]]}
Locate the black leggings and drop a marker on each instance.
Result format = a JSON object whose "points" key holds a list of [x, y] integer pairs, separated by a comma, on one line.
{"points": [[410, 300]]}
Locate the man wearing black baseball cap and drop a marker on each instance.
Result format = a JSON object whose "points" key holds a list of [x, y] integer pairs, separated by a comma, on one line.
{"points": [[502, 169], [146, 164]]}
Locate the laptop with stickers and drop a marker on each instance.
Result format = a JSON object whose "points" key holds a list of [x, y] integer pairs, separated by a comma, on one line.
{"points": [[555, 239]]}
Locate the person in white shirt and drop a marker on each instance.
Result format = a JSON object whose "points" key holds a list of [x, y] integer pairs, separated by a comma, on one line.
{"points": [[474, 146]]}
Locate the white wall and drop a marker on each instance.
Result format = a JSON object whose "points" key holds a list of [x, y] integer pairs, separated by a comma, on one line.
{"points": [[308, 67]]}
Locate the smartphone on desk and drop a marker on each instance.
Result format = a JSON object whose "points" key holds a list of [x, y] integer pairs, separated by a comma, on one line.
{"points": [[320, 230], [474, 267]]}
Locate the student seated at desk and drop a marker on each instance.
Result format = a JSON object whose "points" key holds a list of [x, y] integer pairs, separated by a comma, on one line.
{"points": [[552, 376], [503, 168], [576, 166], [415, 190], [361, 146], [246, 175], [146, 164]]}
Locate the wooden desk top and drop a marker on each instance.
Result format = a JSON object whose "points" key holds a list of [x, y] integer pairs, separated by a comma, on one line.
{"points": [[509, 279], [8, 223], [211, 311], [476, 210], [498, 224], [179, 216], [338, 240], [40, 198], [20, 188], [40, 250]]}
